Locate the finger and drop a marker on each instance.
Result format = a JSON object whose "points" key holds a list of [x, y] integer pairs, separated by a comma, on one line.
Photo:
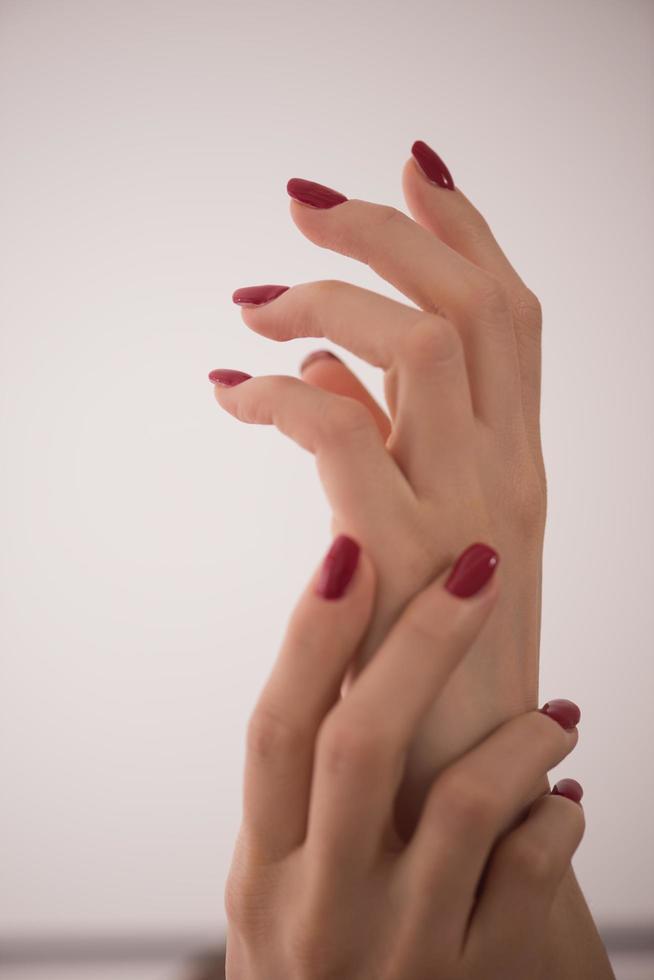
{"points": [[327, 371], [361, 480], [363, 743], [456, 221], [476, 799], [523, 875], [438, 280], [320, 639], [458, 224], [426, 380]]}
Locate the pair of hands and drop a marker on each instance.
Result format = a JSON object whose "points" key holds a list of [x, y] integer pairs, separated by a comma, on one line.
{"points": [[458, 461]]}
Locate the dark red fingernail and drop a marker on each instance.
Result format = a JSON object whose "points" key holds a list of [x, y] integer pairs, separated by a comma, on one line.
{"points": [[431, 165], [257, 294], [569, 788], [227, 377], [338, 567], [317, 195], [567, 713], [318, 355], [472, 570]]}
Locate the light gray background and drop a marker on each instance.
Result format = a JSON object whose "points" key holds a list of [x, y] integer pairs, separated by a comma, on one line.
{"points": [[152, 546]]}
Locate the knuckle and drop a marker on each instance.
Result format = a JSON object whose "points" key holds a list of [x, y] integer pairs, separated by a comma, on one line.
{"points": [[388, 215], [243, 901], [321, 289], [237, 906], [490, 297], [310, 945], [532, 500], [345, 746], [470, 804], [270, 736], [432, 339], [527, 311], [530, 504], [530, 860], [347, 419], [532, 511]]}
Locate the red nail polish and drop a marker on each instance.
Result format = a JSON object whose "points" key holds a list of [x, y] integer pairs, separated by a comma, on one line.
{"points": [[569, 788], [567, 713], [472, 570], [317, 195], [256, 295], [227, 378], [318, 355], [338, 567], [431, 165]]}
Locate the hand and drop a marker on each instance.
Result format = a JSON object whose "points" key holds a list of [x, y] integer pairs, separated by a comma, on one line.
{"points": [[320, 886], [460, 458]]}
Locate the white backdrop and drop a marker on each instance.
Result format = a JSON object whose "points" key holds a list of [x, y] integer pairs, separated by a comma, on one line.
{"points": [[152, 547]]}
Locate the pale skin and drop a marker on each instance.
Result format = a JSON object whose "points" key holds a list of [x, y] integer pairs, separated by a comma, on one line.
{"points": [[459, 458], [315, 890]]}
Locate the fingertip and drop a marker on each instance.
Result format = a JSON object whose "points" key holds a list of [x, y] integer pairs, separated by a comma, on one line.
{"points": [[473, 571], [338, 567], [570, 788], [227, 377], [318, 356]]}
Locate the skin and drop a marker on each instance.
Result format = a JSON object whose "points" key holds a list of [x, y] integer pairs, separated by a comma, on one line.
{"points": [[414, 495], [317, 887], [458, 459]]}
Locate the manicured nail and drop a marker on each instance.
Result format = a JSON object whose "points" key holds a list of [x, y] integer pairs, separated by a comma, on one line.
{"points": [[317, 195], [472, 570], [227, 378], [256, 295], [431, 165], [569, 788], [567, 713], [338, 567], [318, 355]]}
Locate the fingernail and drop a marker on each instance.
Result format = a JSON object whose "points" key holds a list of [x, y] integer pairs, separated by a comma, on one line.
{"points": [[567, 713], [317, 195], [256, 295], [431, 165], [227, 378], [318, 355], [338, 567], [472, 570], [569, 788]]}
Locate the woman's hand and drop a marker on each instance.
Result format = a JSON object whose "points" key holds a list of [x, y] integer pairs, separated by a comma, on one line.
{"points": [[460, 458], [320, 885]]}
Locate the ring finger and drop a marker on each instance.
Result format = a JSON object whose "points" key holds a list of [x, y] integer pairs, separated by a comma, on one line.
{"points": [[524, 873], [479, 796]]}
